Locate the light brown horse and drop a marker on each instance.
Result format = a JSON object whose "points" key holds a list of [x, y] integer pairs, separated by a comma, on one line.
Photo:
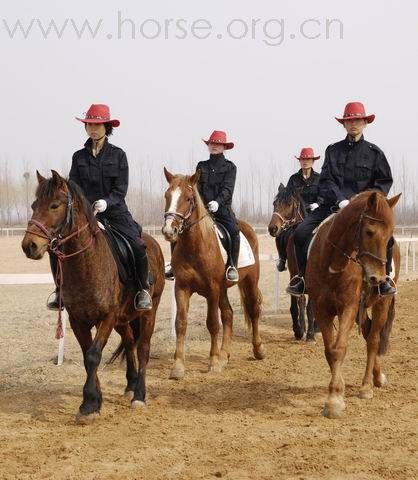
{"points": [[346, 263], [63, 224], [199, 268], [288, 212]]}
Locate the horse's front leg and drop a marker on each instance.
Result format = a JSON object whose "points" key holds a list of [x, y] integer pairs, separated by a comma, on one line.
{"points": [[212, 322], [182, 302], [227, 319], [379, 317], [144, 345], [335, 405], [92, 395], [310, 336]]}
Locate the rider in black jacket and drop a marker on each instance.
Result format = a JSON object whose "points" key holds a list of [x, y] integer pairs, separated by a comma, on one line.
{"points": [[306, 182], [351, 166], [101, 170]]}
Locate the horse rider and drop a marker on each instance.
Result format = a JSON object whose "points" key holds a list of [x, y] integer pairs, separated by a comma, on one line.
{"points": [[216, 187], [306, 182], [351, 166], [101, 170]]}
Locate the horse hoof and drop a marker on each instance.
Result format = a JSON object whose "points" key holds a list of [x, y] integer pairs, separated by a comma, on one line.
{"points": [[215, 368], [176, 373], [259, 352], [129, 395], [366, 394], [333, 409], [81, 419], [310, 339], [135, 404], [380, 381]]}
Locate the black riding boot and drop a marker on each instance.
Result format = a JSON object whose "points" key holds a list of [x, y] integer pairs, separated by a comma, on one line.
{"points": [[388, 287], [143, 300], [296, 286], [169, 275], [54, 303], [232, 271], [281, 262]]}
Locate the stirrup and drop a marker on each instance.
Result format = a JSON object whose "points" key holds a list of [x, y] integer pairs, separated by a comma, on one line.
{"points": [[295, 280], [54, 305], [235, 275], [168, 272], [144, 303], [392, 284]]}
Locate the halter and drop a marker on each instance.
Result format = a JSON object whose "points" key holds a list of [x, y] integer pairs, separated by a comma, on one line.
{"points": [[184, 224], [56, 240], [287, 223]]}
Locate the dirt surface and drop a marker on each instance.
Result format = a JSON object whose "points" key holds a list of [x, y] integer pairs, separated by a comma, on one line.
{"points": [[257, 420]]}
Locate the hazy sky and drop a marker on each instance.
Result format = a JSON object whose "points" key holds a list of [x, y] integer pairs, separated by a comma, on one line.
{"points": [[274, 91]]}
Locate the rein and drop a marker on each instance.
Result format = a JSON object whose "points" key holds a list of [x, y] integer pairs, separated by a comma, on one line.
{"points": [[185, 224], [56, 240]]}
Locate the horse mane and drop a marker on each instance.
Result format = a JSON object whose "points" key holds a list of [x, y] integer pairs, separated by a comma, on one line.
{"points": [[206, 223], [48, 188], [286, 194], [381, 206]]}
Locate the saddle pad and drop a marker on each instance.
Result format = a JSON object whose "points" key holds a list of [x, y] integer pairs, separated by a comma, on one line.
{"points": [[246, 255], [316, 230]]}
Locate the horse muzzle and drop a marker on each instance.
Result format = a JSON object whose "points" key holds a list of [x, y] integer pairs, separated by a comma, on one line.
{"points": [[32, 249]]}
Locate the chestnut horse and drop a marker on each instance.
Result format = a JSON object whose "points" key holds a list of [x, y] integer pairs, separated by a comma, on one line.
{"points": [[63, 224], [346, 263], [288, 212], [199, 268]]}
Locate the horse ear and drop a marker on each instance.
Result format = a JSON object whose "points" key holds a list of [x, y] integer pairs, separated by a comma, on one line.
{"points": [[58, 180], [168, 175], [281, 187], [394, 200], [195, 177], [372, 202], [40, 177]]}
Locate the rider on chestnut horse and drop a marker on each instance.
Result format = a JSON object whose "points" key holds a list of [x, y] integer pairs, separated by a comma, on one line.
{"points": [[351, 166]]}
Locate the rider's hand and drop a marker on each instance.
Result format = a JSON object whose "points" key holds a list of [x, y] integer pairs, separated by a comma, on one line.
{"points": [[312, 207], [343, 204], [100, 206], [213, 206]]}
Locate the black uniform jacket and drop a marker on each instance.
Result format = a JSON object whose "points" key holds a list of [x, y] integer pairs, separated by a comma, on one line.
{"points": [[105, 177], [351, 168], [308, 187], [217, 181]]}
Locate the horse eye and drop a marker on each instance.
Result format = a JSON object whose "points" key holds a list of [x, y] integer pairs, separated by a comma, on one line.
{"points": [[54, 205], [369, 233]]}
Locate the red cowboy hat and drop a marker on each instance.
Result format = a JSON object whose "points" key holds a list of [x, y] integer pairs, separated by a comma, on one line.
{"points": [[219, 137], [307, 153], [355, 110], [98, 114]]}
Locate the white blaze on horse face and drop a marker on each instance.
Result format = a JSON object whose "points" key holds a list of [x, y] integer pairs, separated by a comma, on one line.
{"points": [[168, 229]]}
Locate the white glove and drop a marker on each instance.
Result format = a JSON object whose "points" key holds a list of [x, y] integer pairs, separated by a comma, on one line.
{"points": [[213, 206], [312, 207], [100, 206], [343, 204]]}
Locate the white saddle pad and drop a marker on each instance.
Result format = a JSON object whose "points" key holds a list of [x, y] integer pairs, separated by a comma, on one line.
{"points": [[246, 255]]}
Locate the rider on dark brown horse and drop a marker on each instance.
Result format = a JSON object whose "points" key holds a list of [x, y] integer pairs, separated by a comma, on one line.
{"points": [[216, 187], [101, 170], [306, 183], [351, 166]]}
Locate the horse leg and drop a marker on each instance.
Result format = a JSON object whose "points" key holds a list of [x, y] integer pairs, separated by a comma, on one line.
{"points": [[129, 344], [227, 318], [294, 312], [335, 405], [301, 319], [92, 395], [147, 329], [251, 299], [310, 336], [379, 316], [182, 302], [212, 322]]}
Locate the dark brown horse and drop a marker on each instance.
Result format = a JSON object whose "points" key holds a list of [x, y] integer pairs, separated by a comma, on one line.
{"points": [[63, 224], [288, 212], [346, 263], [199, 268]]}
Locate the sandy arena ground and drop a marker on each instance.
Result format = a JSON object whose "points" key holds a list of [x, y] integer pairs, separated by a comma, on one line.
{"points": [[257, 420]]}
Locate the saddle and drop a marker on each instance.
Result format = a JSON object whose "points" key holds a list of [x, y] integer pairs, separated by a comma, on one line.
{"points": [[246, 255]]}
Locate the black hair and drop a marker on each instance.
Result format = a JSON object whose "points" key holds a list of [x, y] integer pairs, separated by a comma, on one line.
{"points": [[108, 127]]}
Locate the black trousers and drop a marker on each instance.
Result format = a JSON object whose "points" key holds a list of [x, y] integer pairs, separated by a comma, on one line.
{"points": [[281, 242], [226, 217]]}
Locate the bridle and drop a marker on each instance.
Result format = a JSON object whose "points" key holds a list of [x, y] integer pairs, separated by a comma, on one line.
{"points": [[183, 219], [289, 222]]}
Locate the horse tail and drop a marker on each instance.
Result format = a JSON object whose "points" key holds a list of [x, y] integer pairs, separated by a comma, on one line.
{"points": [[247, 308], [120, 350], [386, 330]]}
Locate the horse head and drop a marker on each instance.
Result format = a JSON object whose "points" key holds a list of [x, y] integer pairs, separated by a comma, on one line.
{"points": [[53, 217], [181, 203], [288, 210]]}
